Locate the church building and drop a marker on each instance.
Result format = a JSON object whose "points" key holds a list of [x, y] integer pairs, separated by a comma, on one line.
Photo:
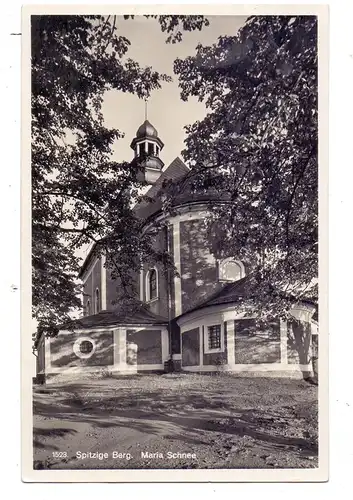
{"points": [[194, 321]]}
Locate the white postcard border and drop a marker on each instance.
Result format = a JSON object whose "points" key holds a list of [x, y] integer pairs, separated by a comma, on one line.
{"points": [[161, 475]]}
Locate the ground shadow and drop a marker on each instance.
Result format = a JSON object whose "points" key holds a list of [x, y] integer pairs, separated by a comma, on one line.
{"points": [[188, 416]]}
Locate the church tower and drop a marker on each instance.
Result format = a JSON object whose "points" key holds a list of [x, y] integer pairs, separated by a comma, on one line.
{"points": [[147, 147]]}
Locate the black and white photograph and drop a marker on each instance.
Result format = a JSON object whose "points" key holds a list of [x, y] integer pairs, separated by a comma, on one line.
{"points": [[174, 209]]}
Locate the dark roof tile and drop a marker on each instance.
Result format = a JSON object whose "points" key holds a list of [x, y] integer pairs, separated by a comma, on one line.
{"points": [[234, 292], [176, 171], [231, 292], [132, 314]]}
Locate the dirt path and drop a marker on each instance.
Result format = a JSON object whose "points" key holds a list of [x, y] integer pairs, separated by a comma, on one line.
{"points": [[186, 422]]}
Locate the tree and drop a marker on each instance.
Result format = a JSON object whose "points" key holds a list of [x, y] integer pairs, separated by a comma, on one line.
{"points": [[258, 146], [79, 195]]}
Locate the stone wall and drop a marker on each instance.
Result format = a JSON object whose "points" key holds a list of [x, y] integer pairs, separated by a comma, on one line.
{"points": [[109, 350], [159, 305], [115, 290], [87, 295], [149, 345], [113, 287], [256, 344], [62, 353], [191, 347], [199, 276], [175, 338], [299, 342], [93, 281]]}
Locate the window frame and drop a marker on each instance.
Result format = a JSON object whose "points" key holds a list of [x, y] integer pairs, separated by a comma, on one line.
{"points": [[223, 262], [147, 285], [88, 308], [150, 148], [141, 149], [206, 338], [76, 347]]}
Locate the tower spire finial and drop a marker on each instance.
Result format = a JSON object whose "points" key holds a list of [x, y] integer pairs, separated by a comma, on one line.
{"points": [[146, 105]]}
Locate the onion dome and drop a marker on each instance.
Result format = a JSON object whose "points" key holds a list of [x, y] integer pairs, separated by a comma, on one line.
{"points": [[146, 130]]}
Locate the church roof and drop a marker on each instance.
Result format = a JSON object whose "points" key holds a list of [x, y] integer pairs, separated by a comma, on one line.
{"points": [[133, 314], [176, 171], [229, 293], [234, 292], [177, 182]]}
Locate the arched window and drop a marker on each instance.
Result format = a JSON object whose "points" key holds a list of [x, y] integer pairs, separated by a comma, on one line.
{"points": [[97, 301], [88, 308], [151, 284], [231, 270]]}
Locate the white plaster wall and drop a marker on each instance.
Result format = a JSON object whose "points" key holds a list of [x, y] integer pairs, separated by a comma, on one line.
{"points": [[216, 315]]}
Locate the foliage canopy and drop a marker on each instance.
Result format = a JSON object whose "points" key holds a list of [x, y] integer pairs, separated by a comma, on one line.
{"points": [[259, 146], [79, 195]]}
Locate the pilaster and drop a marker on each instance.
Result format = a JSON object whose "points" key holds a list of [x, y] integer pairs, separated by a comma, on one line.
{"points": [[230, 342]]}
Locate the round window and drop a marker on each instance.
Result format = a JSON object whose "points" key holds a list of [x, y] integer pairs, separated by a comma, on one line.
{"points": [[86, 347]]}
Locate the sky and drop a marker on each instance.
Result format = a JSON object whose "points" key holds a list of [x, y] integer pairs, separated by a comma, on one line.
{"points": [[166, 111]]}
